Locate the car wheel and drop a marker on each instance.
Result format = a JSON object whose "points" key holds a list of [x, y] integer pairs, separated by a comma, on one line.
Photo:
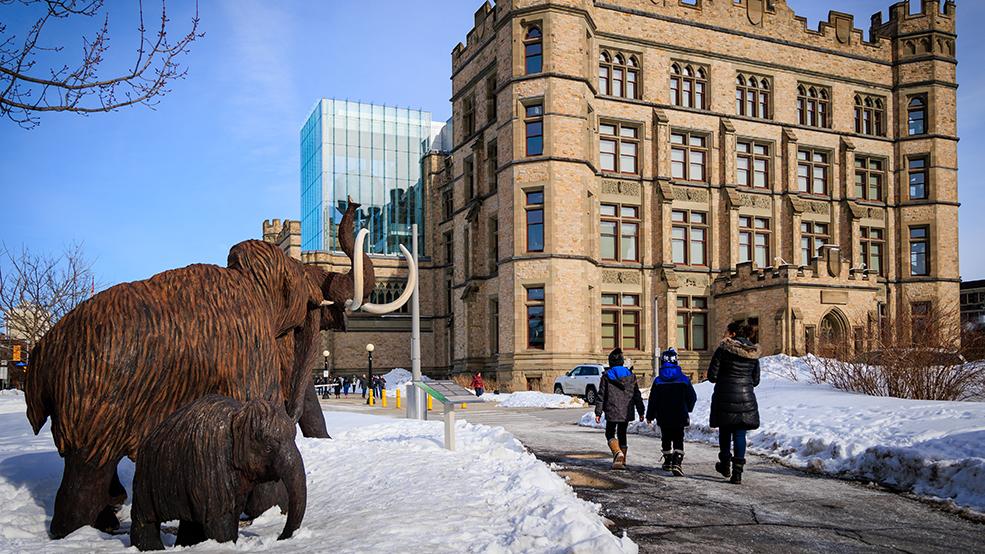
{"points": [[590, 395], [558, 389]]}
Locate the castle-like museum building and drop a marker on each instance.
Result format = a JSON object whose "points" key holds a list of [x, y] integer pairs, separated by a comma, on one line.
{"points": [[640, 173]]}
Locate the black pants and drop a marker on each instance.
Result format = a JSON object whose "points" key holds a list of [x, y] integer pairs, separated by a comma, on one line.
{"points": [[672, 438], [616, 428]]}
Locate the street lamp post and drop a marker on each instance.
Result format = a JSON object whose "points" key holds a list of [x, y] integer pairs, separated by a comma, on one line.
{"points": [[369, 379], [324, 374]]}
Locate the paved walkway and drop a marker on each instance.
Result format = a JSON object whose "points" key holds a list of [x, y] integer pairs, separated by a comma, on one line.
{"points": [[777, 509]]}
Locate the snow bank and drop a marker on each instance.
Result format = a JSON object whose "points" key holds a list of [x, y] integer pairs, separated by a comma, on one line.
{"points": [[399, 377], [534, 399], [382, 485], [930, 448]]}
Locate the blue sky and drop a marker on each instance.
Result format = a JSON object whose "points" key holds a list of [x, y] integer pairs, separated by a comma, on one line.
{"points": [[147, 190]]}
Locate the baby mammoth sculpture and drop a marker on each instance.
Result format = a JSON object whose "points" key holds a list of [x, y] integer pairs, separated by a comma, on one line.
{"points": [[113, 368], [200, 464]]}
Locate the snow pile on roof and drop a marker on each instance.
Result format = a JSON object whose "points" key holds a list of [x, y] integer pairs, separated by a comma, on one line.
{"points": [[534, 399], [930, 448], [382, 485]]}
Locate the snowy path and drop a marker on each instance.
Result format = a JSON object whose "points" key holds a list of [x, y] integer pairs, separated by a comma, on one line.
{"points": [[778, 509]]}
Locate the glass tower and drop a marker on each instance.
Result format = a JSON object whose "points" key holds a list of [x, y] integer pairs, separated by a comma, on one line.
{"points": [[370, 153]]}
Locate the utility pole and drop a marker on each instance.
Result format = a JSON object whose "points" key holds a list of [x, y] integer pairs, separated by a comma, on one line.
{"points": [[414, 397]]}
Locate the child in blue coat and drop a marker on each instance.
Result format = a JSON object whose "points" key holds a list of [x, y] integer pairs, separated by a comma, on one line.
{"points": [[672, 399]]}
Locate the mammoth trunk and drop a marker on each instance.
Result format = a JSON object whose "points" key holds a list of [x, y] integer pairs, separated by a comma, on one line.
{"points": [[306, 342], [290, 469], [346, 241]]}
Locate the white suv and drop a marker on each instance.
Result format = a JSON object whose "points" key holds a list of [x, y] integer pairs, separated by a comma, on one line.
{"points": [[581, 381]]}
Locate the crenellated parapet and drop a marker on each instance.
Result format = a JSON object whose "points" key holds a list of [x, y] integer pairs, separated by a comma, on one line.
{"points": [[928, 32], [482, 28], [827, 269]]}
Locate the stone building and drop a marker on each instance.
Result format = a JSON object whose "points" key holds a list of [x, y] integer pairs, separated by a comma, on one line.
{"points": [[641, 173]]}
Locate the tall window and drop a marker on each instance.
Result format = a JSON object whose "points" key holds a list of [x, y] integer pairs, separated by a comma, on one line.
{"points": [[688, 156], [447, 203], [469, 176], [692, 323], [752, 164], [493, 242], [492, 160], [919, 251], [535, 128], [619, 146], [449, 248], [873, 246], [621, 321], [812, 171], [869, 176], [491, 99], [870, 115], [689, 237], [620, 232], [535, 221], [754, 240], [813, 236], [687, 85], [494, 325], [916, 115], [619, 75], [533, 51], [535, 317], [752, 96], [468, 116], [814, 106], [917, 172], [919, 319]]}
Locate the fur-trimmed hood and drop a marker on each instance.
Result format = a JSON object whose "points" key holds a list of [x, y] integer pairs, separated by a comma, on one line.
{"points": [[741, 347]]}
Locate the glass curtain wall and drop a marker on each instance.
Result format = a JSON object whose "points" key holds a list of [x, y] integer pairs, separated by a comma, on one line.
{"points": [[373, 154]]}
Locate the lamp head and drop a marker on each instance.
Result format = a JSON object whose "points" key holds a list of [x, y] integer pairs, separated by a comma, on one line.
{"points": [[325, 353], [370, 347]]}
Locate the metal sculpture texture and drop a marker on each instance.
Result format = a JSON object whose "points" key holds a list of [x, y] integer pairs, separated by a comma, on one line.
{"points": [[121, 362], [200, 464]]}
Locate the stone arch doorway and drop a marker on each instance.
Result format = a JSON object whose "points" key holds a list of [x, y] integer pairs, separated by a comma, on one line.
{"points": [[834, 334]]}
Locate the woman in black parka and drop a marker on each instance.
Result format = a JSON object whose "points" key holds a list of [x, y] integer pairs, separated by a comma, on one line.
{"points": [[735, 371]]}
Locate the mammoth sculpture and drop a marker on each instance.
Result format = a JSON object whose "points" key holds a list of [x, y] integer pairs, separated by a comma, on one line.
{"points": [[114, 367], [199, 465]]}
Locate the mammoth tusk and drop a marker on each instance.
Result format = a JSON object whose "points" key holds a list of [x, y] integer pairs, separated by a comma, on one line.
{"points": [[404, 297], [327, 303], [357, 271]]}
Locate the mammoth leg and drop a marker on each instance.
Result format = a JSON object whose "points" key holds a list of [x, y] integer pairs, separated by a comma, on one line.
{"points": [[265, 496], [82, 497], [312, 420], [146, 536], [117, 494], [224, 529], [189, 533]]}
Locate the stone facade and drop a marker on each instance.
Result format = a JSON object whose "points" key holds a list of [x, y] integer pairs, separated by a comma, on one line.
{"points": [[497, 92]]}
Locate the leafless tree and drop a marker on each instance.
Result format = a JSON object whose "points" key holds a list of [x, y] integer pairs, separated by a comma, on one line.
{"points": [[29, 88], [36, 290]]}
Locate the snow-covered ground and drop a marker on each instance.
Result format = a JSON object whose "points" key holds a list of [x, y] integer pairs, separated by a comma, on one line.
{"points": [[382, 485], [933, 449], [534, 399]]}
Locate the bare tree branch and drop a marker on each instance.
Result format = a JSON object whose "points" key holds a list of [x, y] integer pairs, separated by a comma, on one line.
{"points": [[27, 91]]}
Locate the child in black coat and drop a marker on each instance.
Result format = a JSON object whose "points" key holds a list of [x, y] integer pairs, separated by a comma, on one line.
{"points": [[672, 399]]}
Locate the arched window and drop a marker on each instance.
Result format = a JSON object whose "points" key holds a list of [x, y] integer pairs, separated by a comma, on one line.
{"points": [[813, 106], [916, 115], [752, 96], [533, 48], [870, 115], [619, 76], [687, 86]]}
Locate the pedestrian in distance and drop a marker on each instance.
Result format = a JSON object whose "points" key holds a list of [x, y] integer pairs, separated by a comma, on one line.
{"points": [[619, 394], [346, 383], [338, 388], [362, 385], [477, 385], [735, 371], [672, 399], [380, 385]]}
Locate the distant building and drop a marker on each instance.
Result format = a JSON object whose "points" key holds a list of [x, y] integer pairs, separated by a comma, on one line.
{"points": [[973, 304]]}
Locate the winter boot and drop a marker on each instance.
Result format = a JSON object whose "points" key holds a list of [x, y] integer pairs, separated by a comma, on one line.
{"points": [[676, 468], [737, 465], [668, 460], [618, 456], [721, 466]]}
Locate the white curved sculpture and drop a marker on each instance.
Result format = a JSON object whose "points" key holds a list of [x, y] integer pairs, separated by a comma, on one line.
{"points": [[355, 304]]}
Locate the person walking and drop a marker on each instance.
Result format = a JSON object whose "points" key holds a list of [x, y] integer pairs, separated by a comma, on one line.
{"points": [[477, 385], [346, 383], [380, 385], [734, 370], [338, 387], [672, 399], [362, 385], [619, 394]]}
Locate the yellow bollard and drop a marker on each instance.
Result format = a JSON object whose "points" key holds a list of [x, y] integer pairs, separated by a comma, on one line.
{"points": [[398, 398], [429, 403], [383, 398], [372, 402], [464, 405]]}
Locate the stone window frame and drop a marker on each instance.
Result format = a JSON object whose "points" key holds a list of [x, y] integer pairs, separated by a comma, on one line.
{"points": [[685, 146], [469, 177], [621, 309], [688, 308], [754, 232], [813, 235], [689, 226], [612, 60], [531, 206], [618, 139], [494, 325], [468, 115], [449, 240], [814, 105], [619, 219], [761, 89], [811, 163], [535, 42], [921, 108], [696, 77], [753, 156], [532, 117], [531, 302], [924, 169], [870, 237], [870, 115], [447, 203], [920, 311], [866, 171], [494, 243], [492, 165], [912, 240], [491, 107]]}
